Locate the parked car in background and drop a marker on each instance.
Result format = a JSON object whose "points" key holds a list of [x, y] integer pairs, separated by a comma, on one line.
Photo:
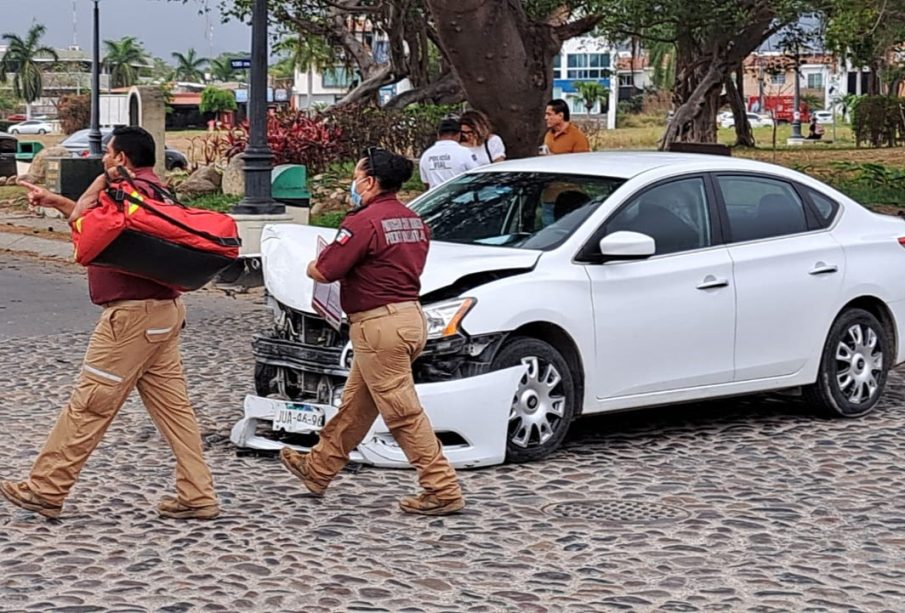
{"points": [[77, 144], [824, 116], [16, 117], [32, 126], [756, 121], [654, 279]]}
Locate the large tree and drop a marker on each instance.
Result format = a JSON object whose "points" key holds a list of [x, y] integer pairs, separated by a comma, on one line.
{"points": [[711, 38], [20, 61], [502, 53], [123, 59]]}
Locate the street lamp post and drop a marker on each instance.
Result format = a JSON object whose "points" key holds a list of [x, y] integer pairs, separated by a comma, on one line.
{"points": [[258, 157], [94, 134], [796, 102]]}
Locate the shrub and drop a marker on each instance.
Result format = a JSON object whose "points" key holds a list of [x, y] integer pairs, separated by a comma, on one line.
{"points": [[294, 138], [328, 220], [406, 131], [74, 113], [879, 120], [216, 100]]}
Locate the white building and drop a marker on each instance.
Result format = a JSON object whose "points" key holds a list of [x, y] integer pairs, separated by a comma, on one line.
{"points": [[584, 59]]}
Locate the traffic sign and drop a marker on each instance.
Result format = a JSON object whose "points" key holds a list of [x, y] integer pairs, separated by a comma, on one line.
{"points": [[240, 63]]}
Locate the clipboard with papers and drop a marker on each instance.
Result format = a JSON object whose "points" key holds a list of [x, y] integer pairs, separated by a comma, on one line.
{"points": [[325, 299]]}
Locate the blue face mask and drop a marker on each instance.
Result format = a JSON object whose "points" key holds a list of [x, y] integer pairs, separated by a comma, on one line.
{"points": [[356, 197]]}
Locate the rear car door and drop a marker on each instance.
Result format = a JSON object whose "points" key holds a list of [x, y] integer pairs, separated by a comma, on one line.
{"points": [[788, 273]]}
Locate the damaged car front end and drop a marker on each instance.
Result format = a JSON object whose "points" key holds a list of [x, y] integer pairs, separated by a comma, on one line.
{"points": [[302, 362]]}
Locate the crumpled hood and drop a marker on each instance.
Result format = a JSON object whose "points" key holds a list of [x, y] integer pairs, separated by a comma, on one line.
{"points": [[286, 250]]}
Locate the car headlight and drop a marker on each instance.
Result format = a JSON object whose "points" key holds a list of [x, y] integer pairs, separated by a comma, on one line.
{"points": [[443, 318]]}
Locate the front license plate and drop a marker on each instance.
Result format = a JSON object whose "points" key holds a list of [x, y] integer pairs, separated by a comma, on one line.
{"points": [[293, 417]]}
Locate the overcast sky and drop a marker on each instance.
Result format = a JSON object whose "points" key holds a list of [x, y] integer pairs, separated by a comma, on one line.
{"points": [[162, 26]]}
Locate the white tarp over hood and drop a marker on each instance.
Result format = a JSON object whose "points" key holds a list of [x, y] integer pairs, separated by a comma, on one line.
{"points": [[286, 250]]}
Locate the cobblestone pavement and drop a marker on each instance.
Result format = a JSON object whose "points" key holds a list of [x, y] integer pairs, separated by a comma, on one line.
{"points": [[753, 505]]}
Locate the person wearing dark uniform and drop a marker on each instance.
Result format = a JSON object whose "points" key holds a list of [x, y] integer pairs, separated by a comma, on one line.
{"points": [[135, 345], [378, 256]]}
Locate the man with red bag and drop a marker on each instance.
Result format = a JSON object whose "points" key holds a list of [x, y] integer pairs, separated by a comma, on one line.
{"points": [[135, 345]]}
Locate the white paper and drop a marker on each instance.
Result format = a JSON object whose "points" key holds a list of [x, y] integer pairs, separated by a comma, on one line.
{"points": [[325, 299]]}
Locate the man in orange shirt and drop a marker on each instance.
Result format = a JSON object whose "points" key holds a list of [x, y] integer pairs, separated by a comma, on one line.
{"points": [[562, 136]]}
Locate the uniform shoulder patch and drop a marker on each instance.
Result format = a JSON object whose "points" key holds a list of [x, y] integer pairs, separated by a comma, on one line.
{"points": [[343, 236]]}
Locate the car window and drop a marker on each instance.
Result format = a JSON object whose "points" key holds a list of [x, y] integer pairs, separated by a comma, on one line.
{"points": [[826, 208], [674, 214], [529, 210], [761, 208]]}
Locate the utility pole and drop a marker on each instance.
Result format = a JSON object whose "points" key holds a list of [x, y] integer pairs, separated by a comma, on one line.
{"points": [[796, 103]]}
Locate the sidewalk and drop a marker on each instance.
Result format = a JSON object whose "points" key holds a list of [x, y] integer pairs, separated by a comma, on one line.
{"points": [[24, 232]]}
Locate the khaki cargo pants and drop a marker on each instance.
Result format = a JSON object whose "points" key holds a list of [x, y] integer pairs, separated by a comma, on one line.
{"points": [[135, 344], [385, 342]]}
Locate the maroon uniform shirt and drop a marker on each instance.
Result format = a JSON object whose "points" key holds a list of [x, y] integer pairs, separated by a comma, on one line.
{"points": [[107, 285], [378, 255]]}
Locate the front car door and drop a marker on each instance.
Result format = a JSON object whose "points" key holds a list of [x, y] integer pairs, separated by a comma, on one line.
{"points": [[788, 273], [667, 322]]}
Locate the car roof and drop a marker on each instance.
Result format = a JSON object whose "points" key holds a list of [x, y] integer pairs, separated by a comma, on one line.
{"points": [[626, 164]]}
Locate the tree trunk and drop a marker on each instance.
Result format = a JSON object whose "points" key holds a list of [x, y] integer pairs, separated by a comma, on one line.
{"points": [[445, 90], [744, 137], [504, 62]]}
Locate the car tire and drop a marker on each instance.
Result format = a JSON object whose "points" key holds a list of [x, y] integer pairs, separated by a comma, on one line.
{"points": [[857, 342], [528, 438], [42, 132], [264, 374], [14, 132]]}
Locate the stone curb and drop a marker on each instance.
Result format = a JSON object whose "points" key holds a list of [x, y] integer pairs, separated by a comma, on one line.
{"points": [[35, 245]]}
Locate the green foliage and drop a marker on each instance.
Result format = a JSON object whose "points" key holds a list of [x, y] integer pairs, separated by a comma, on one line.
{"points": [[8, 102], [590, 93], [406, 131], [189, 67], [864, 31], [123, 59], [216, 100], [220, 68], [331, 219], [19, 59], [212, 202], [879, 120]]}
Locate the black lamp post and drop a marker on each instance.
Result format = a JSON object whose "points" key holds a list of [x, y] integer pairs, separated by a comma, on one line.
{"points": [[94, 135], [258, 157]]}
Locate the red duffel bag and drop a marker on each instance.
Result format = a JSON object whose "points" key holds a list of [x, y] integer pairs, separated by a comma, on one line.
{"points": [[155, 237]]}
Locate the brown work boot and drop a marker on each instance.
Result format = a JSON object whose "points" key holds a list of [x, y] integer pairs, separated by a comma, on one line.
{"points": [[296, 463], [20, 495], [429, 504], [173, 509]]}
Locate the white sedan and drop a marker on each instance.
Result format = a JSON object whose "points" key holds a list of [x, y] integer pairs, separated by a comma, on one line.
{"points": [[32, 126], [581, 284], [756, 121]]}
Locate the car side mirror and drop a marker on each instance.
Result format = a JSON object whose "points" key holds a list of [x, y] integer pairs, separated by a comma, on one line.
{"points": [[625, 245]]}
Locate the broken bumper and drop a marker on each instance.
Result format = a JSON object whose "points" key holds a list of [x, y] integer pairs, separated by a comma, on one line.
{"points": [[474, 409]]}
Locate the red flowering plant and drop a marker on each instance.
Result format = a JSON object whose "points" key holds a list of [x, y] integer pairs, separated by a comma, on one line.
{"points": [[294, 138]]}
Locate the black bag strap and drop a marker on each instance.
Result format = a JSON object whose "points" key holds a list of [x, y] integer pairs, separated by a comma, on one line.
{"points": [[160, 192], [224, 242], [487, 149]]}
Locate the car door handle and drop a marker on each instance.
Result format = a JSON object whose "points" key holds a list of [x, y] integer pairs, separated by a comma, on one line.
{"points": [[711, 282], [823, 269]]}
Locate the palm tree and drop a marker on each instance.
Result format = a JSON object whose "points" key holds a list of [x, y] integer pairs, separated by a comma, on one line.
{"points": [[189, 67], [221, 70], [19, 58], [590, 93], [123, 59], [663, 58]]}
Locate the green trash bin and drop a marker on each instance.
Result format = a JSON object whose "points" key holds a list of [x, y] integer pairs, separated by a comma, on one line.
{"points": [[289, 184], [27, 150]]}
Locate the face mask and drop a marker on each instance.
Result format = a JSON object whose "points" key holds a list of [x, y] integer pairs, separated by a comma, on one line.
{"points": [[356, 197]]}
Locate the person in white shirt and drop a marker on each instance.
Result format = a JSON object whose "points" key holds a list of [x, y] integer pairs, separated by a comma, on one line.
{"points": [[446, 158], [478, 136]]}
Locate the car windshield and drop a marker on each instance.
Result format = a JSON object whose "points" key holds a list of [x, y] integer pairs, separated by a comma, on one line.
{"points": [[529, 210]]}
